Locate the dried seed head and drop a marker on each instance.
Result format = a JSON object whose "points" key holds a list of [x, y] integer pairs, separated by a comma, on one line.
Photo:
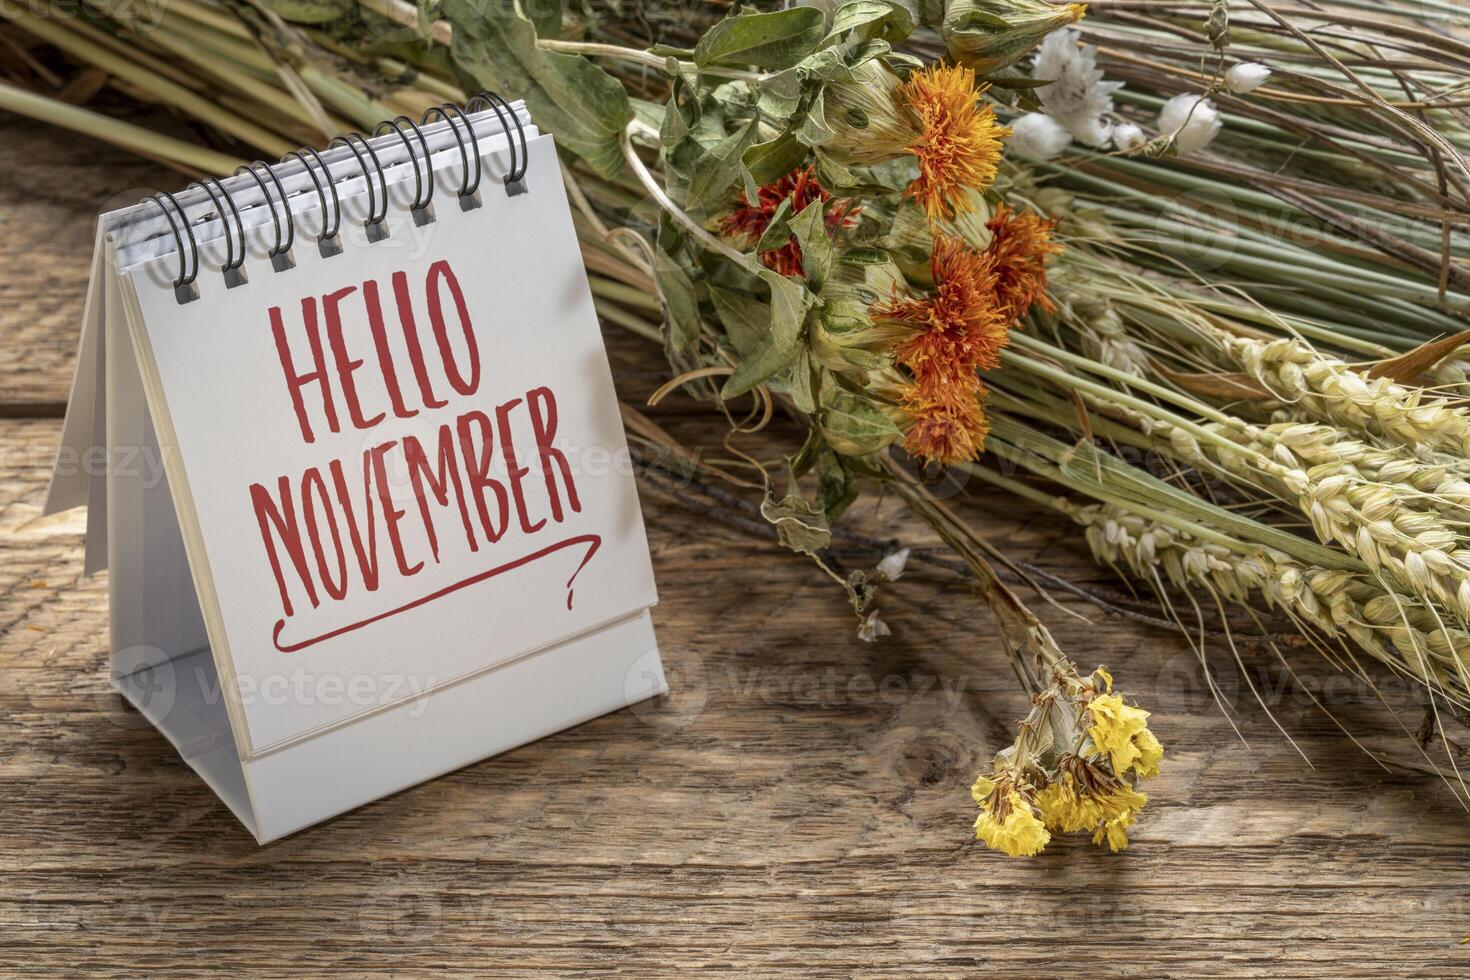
{"points": [[1399, 628]]}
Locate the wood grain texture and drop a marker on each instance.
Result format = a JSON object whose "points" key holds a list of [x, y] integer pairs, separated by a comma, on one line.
{"points": [[798, 806]]}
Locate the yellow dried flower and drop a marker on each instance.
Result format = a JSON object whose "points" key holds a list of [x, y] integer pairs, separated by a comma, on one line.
{"points": [[1149, 754], [1086, 798], [1115, 729], [1115, 832], [1063, 809], [1008, 823], [1074, 766]]}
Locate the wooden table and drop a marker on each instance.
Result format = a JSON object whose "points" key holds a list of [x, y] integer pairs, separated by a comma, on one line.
{"points": [[799, 805]]}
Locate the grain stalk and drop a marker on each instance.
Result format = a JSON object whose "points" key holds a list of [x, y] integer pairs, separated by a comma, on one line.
{"points": [[1340, 604], [1332, 390]]}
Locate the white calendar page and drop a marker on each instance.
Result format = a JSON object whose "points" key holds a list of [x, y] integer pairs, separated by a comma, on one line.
{"points": [[397, 466]]}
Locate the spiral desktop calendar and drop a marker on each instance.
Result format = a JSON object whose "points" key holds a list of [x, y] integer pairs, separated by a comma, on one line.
{"points": [[366, 507]]}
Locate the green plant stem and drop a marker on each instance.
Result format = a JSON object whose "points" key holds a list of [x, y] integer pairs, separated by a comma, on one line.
{"points": [[1122, 377], [134, 138], [344, 98], [625, 294], [235, 77], [1019, 457], [655, 191], [627, 320], [1269, 262], [163, 89], [645, 58]]}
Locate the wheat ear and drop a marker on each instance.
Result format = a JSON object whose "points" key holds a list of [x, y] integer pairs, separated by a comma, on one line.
{"points": [[1333, 390], [1338, 603]]}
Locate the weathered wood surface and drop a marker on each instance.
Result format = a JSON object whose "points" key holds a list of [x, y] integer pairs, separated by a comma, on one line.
{"points": [[799, 805]]}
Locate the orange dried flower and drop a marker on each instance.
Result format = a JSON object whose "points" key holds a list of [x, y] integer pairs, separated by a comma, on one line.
{"points": [[748, 222], [962, 330], [1019, 246], [948, 423], [963, 325], [959, 143]]}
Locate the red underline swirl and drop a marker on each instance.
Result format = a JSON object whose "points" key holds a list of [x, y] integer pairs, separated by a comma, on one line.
{"points": [[592, 541]]}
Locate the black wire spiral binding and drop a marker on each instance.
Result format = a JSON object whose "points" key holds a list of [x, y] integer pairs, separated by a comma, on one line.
{"points": [[469, 192], [184, 284], [368, 161], [514, 180], [423, 189], [231, 268], [326, 240], [374, 223], [280, 253]]}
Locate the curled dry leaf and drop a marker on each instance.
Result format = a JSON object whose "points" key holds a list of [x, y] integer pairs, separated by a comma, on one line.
{"points": [[1407, 367]]}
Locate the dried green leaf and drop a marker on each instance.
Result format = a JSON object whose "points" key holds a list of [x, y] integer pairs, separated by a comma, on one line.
{"points": [[814, 130], [778, 231], [774, 159], [810, 229], [864, 19], [718, 170], [837, 483], [853, 425], [676, 121], [779, 95], [799, 525], [746, 319], [570, 96], [782, 343], [834, 175], [773, 41], [826, 65], [681, 305], [803, 383]]}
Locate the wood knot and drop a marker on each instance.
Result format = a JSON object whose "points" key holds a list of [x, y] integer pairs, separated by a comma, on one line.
{"points": [[928, 759]]}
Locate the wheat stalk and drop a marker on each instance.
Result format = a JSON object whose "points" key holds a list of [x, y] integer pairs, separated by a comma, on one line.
{"points": [[1381, 522], [1395, 470], [1329, 389], [1338, 603], [1403, 547]]}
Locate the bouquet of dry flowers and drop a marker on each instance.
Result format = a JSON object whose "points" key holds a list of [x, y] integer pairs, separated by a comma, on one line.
{"points": [[1190, 274]]}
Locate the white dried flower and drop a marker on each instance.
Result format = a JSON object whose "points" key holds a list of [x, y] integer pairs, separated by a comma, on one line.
{"points": [[892, 565], [1246, 77], [1077, 97], [1191, 120], [1038, 136], [1128, 137], [872, 628]]}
